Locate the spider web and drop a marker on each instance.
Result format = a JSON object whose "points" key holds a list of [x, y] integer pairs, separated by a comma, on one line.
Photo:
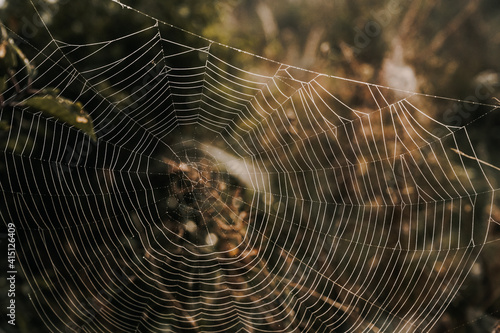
{"points": [[229, 192]]}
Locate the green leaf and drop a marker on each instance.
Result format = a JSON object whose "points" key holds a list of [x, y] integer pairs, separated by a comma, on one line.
{"points": [[49, 91], [63, 110]]}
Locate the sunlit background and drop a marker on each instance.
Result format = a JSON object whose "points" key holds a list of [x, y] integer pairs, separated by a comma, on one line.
{"points": [[441, 48]]}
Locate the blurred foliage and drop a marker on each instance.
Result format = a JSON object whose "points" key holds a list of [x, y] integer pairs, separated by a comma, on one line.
{"points": [[441, 47]]}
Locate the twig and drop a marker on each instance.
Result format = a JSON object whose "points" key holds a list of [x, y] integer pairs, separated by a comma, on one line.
{"points": [[346, 309], [475, 158], [453, 26]]}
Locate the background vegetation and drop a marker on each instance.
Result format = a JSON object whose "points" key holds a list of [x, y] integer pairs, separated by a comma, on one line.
{"points": [[446, 48]]}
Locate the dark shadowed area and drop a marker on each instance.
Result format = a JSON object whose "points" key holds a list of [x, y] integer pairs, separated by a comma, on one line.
{"points": [[250, 165]]}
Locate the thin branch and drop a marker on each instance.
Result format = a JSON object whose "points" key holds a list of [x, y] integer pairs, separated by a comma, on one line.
{"points": [[346, 309], [453, 26], [475, 158]]}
